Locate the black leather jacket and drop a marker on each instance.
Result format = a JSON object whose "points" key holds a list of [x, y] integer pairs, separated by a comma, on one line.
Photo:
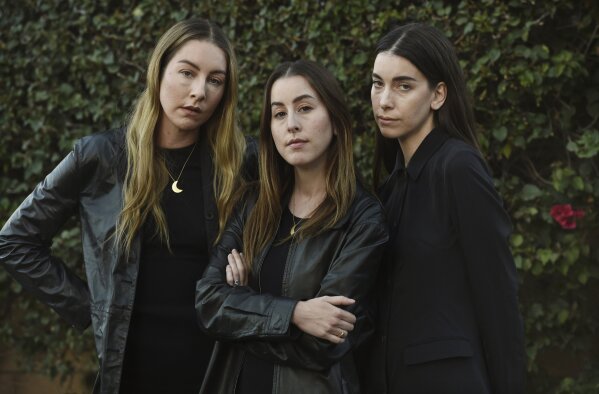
{"points": [[341, 261], [89, 181]]}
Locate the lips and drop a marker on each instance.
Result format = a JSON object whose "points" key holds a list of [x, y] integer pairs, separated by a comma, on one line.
{"points": [[192, 109], [385, 120], [296, 142]]}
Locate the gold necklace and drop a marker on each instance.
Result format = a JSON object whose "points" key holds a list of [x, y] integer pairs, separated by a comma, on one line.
{"points": [[292, 231], [174, 186]]}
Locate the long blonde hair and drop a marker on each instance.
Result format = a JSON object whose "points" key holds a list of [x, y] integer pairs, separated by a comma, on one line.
{"points": [[146, 171], [276, 175]]}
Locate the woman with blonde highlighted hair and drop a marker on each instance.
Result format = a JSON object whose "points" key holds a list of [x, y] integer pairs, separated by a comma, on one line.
{"points": [[152, 199], [311, 238]]}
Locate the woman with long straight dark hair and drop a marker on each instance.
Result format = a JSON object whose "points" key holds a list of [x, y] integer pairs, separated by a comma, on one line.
{"points": [[449, 318], [311, 237], [152, 198]]}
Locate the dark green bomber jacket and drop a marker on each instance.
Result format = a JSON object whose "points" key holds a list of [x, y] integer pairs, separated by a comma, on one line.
{"points": [[89, 182], [343, 260]]}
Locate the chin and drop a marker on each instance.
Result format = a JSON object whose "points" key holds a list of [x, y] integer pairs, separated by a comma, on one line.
{"points": [[392, 134], [190, 127]]}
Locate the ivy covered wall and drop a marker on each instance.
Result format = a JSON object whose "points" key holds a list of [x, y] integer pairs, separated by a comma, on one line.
{"points": [[69, 68]]}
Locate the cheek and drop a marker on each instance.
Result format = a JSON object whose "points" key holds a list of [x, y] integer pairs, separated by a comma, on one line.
{"points": [[168, 91], [277, 135], [216, 97]]}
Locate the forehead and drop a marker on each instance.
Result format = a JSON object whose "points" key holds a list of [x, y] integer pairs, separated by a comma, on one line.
{"points": [[202, 53], [286, 89], [388, 65]]}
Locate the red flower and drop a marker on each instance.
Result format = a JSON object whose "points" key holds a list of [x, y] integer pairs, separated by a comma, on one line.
{"points": [[565, 215]]}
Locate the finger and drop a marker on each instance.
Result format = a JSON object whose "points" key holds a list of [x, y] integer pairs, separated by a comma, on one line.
{"points": [[334, 339], [230, 280], [345, 316], [339, 300], [338, 335], [233, 267], [343, 325], [240, 266]]}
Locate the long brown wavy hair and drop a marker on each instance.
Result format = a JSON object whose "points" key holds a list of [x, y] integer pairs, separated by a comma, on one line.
{"points": [[146, 170], [277, 176]]}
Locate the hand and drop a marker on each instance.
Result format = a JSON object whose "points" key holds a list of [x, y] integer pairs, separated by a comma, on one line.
{"points": [[236, 270], [321, 317]]}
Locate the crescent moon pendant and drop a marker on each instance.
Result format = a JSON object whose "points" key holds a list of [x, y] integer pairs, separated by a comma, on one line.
{"points": [[175, 188]]}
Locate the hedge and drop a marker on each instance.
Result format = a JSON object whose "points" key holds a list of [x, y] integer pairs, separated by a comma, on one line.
{"points": [[70, 68]]}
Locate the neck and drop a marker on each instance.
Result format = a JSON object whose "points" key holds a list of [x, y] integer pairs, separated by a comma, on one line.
{"points": [[173, 138], [309, 190], [409, 144]]}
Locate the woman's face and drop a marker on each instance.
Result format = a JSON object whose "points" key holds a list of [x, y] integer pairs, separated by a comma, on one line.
{"points": [[192, 86], [300, 123], [402, 101]]}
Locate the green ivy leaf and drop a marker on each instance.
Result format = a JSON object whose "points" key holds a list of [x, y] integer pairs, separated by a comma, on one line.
{"points": [[530, 192]]}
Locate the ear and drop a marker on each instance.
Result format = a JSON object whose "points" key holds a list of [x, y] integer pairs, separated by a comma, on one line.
{"points": [[439, 96]]}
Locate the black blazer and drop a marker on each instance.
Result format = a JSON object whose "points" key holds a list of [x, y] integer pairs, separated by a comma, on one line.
{"points": [[448, 318]]}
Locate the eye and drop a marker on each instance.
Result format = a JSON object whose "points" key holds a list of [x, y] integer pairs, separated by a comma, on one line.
{"points": [[215, 81], [377, 84], [186, 73], [278, 114], [304, 108], [404, 87]]}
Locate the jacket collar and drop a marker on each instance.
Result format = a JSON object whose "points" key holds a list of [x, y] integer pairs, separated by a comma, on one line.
{"points": [[428, 146]]}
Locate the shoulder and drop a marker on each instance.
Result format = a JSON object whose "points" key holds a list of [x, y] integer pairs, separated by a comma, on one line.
{"points": [[105, 144], [366, 208], [251, 145], [250, 159], [101, 153], [458, 157]]}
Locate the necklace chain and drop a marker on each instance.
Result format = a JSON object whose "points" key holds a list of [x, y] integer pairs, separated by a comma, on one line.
{"points": [[174, 186], [294, 227], [292, 231]]}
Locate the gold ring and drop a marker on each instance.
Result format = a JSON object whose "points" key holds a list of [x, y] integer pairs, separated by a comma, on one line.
{"points": [[342, 334]]}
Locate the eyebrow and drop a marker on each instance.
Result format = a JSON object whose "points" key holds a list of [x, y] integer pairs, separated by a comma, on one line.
{"points": [[295, 100], [192, 64], [400, 78]]}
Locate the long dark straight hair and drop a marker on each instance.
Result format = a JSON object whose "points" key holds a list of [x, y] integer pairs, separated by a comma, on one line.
{"points": [[434, 56]]}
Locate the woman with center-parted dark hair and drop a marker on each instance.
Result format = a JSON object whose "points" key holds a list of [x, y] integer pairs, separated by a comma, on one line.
{"points": [[448, 312], [309, 238], [152, 198]]}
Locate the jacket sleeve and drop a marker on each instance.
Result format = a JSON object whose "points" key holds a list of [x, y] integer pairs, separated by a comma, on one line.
{"points": [[230, 313], [484, 228], [352, 274], [26, 238]]}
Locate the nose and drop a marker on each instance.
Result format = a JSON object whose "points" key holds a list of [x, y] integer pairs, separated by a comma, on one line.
{"points": [[385, 101], [293, 125], [198, 89]]}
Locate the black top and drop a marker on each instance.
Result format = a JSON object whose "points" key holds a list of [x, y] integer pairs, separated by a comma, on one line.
{"points": [[450, 279], [166, 350], [257, 374]]}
